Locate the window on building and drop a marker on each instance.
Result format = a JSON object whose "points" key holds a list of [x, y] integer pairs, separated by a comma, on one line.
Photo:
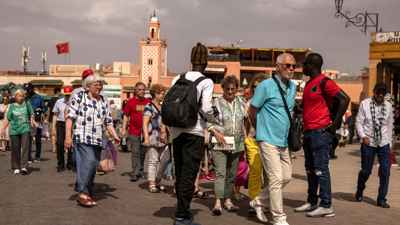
{"points": [[152, 33], [150, 62]]}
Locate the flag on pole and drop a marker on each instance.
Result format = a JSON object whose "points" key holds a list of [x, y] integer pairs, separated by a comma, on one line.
{"points": [[62, 48]]}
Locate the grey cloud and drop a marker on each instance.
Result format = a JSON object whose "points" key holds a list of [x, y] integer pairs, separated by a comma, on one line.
{"points": [[104, 30]]}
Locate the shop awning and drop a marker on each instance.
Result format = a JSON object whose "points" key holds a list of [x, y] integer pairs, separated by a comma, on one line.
{"points": [[128, 89], [215, 69], [47, 82], [76, 82]]}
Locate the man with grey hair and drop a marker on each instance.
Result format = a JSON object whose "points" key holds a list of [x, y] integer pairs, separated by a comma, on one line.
{"points": [[272, 100]]}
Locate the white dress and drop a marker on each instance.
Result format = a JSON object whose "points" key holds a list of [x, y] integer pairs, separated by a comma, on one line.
{"points": [[4, 108]]}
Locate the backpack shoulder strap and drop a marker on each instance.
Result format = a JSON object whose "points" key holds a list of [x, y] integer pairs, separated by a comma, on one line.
{"points": [[198, 80], [322, 85]]}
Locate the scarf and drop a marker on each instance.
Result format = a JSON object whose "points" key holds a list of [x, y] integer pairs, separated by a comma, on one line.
{"points": [[377, 120]]}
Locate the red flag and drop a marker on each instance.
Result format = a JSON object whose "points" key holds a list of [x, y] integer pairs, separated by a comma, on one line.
{"points": [[62, 48]]}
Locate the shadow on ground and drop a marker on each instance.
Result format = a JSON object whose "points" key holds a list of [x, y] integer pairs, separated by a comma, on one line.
{"points": [[169, 212], [101, 191], [350, 197], [299, 176]]}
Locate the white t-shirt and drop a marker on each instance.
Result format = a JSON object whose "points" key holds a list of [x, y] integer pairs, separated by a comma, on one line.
{"points": [[59, 108], [205, 89]]}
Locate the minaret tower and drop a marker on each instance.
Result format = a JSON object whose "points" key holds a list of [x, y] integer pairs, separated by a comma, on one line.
{"points": [[153, 53]]}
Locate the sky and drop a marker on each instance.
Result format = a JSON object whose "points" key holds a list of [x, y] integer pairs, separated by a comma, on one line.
{"points": [[103, 31]]}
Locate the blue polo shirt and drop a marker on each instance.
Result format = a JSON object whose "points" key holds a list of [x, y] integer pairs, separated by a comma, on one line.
{"points": [[272, 120], [37, 101]]}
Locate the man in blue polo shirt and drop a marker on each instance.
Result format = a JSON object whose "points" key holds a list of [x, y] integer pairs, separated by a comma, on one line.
{"points": [[38, 106], [268, 112]]}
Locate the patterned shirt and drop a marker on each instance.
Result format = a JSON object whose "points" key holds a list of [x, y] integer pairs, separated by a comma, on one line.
{"points": [[231, 118], [90, 116], [365, 122], [154, 127]]}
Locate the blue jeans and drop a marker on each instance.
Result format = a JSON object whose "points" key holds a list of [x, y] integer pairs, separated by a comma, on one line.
{"points": [[87, 159], [317, 145], [367, 162]]}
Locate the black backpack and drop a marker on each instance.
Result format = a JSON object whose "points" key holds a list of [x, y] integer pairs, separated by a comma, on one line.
{"points": [[180, 107]]}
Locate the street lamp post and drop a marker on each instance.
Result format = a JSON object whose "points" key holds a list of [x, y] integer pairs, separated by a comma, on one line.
{"points": [[25, 58], [44, 61], [364, 20]]}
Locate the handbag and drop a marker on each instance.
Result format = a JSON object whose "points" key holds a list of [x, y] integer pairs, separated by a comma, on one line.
{"points": [[294, 137], [108, 158]]}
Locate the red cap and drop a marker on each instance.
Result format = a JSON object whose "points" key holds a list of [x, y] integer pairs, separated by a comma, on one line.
{"points": [[87, 73], [68, 90]]}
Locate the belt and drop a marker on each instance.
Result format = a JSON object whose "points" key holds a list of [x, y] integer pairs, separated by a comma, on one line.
{"points": [[320, 130]]}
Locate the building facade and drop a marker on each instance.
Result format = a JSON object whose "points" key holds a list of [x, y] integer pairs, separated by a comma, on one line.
{"points": [[245, 63], [384, 61], [119, 77]]}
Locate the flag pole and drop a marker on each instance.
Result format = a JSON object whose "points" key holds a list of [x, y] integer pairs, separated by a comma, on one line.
{"points": [[69, 56]]}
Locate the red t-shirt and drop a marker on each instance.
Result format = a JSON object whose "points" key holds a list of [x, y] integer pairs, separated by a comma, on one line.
{"points": [[134, 109], [315, 110]]}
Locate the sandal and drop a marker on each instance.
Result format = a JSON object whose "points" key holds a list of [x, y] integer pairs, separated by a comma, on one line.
{"points": [[162, 188], [200, 194], [153, 188], [85, 201], [230, 207], [216, 211], [94, 203]]}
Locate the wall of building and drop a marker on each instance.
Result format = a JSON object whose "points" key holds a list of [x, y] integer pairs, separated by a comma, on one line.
{"points": [[352, 88]]}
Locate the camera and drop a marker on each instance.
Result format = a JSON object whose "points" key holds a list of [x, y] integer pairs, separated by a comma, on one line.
{"points": [[38, 114]]}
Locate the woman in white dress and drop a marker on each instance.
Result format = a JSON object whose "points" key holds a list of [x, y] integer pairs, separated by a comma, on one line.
{"points": [[4, 138]]}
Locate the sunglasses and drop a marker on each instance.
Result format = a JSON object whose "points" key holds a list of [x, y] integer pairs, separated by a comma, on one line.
{"points": [[288, 66]]}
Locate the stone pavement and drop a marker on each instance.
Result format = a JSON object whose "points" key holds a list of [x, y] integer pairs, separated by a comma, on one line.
{"points": [[45, 197]]}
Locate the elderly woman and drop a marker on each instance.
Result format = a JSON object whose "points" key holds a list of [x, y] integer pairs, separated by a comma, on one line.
{"points": [[89, 112], [155, 139], [226, 153], [20, 120]]}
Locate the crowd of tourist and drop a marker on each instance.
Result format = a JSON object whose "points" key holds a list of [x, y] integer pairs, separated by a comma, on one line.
{"points": [[243, 140]]}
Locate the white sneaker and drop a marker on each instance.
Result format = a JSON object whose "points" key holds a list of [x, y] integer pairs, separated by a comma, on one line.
{"points": [[321, 212], [280, 221], [16, 171], [259, 211], [307, 207]]}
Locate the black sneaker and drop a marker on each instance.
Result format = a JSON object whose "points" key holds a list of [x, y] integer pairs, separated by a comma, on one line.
{"points": [[60, 169], [134, 178], [24, 171], [181, 221], [359, 197], [251, 212], [383, 205]]}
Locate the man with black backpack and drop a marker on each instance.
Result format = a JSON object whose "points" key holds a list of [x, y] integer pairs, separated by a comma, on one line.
{"points": [[187, 110], [324, 104]]}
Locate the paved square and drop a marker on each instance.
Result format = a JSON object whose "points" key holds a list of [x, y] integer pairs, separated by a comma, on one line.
{"points": [[46, 197]]}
